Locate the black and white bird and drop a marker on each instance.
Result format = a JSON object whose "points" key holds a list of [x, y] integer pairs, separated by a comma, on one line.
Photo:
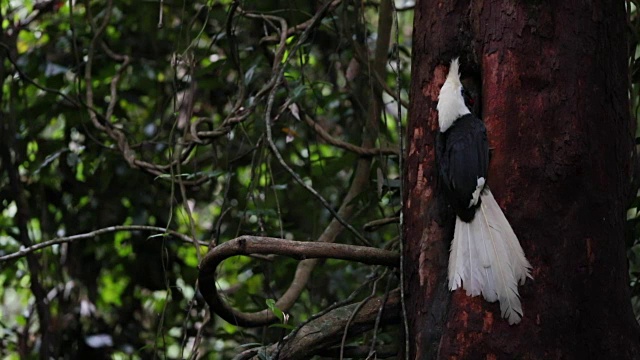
{"points": [[486, 257]]}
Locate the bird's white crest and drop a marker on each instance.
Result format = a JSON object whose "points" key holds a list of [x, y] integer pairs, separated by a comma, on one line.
{"points": [[451, 104]]}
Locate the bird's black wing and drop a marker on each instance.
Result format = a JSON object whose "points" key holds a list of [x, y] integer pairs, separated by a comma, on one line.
{"points": [[464, 160]]}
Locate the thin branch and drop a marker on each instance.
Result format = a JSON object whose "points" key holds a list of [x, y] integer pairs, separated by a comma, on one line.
{"points": [[405, 323], [363, 151], [372, 348], [113, 133], [61, 240], [300, 27], [126, 60], [26, 78], [22, 218], [375, 224], [227, 125], [102, 122], [160, 15], [274, 149], [395, 95], [89, 63], [380, 83], [320, 334], [246, 245], [335, 227], [187, 112], [359, 306], [323, 312]]}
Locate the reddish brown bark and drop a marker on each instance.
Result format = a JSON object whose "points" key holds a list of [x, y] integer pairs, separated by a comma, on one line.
{"points": [[554, 95]]}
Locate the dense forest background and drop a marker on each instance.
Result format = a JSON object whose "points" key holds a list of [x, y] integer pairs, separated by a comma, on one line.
{"points": [[135, 135]]}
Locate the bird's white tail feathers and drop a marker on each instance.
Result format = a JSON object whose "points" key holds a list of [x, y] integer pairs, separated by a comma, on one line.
{"points": [[486, 258]]}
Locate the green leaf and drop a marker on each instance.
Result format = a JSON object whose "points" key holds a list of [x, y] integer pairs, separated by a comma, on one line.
{"points": [[112, 288], [271, 304]]}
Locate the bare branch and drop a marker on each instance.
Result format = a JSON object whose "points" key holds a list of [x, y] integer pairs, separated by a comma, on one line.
{"points": [[375, 224], [319, 334], [354, 313], [279, 71], [302, 26], [345, 145], [61, 240], [246, 245]]}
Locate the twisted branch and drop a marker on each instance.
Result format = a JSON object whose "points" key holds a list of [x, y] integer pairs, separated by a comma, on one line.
{"points": [[248, 245]]}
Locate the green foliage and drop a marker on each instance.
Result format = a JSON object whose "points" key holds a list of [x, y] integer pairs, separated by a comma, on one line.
{"points": [[67, 88]]}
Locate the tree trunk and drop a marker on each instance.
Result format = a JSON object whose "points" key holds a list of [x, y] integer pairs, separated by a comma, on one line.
{"points": [[554, 97]]}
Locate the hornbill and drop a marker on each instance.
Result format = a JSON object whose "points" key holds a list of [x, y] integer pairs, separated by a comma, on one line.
{"points": [[486, 257]]}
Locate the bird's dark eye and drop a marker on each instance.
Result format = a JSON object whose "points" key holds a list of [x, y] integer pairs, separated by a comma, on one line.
{"points": [[468, 99]]}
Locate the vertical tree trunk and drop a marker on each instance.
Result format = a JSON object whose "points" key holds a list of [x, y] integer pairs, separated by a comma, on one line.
{"points": [[554, 96]]}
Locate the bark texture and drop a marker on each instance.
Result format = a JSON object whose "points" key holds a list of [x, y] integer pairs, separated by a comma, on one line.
{"points": [[554, 97]]}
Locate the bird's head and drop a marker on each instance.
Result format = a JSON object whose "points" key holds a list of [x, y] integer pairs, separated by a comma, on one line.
{"points": [[452, 101]]}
